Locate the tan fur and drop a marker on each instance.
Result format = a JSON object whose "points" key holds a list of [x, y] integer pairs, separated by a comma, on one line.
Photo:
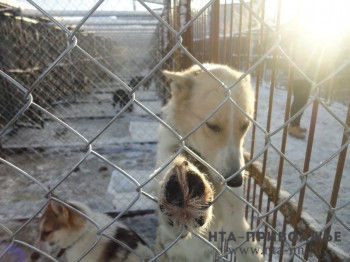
{"points": [[65, 227]]}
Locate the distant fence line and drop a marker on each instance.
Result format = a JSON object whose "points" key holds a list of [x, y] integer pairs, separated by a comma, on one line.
{"points": [[29, 44]]}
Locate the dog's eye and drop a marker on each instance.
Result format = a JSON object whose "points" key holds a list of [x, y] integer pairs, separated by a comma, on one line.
{"points": [[213, 127], [46, 233], [244, 126]]}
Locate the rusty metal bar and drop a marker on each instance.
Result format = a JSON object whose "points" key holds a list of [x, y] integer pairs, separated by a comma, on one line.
{"points": [[187, 35], [336, 186], [215, 32], [257, 88], [206, 55], [249, 38], [223, 51], [289, 210], [284, 228], [231, 34], [279, 180], [295, 220], [239, 48]]}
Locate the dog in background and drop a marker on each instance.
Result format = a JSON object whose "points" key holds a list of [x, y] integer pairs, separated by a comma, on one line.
{"points": [[186, 187], [137, 79], [75, 235], [121, 97]]}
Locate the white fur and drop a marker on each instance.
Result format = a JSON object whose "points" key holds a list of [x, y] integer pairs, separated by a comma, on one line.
{"points": [[228, 210]]}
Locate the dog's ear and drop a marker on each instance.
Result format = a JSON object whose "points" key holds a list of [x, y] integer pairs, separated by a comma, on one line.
{"points": [[181, 82], [59, 209]]}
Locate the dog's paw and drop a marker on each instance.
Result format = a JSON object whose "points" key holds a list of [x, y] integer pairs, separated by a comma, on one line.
{"points": [[186, 196]]}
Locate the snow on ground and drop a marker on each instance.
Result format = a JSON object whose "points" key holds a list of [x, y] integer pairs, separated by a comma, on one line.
{"points": [[327, 142], [130, 144]]}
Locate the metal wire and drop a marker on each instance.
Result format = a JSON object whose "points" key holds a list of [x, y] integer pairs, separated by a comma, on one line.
{"points": [[199, 20]]}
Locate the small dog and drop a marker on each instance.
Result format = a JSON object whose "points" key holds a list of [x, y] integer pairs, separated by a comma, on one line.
{"points": [[121, 97], [137, 79], [186, 188], [75, 235]]}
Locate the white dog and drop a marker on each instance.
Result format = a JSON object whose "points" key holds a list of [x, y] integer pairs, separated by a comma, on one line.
{"points": [[187, 188]]}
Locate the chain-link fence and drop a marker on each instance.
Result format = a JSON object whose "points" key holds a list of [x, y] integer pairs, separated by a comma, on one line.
{"points": [[81, 92]]}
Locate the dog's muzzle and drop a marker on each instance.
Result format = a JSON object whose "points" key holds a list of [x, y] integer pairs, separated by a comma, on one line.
{"points": [[237, 181]]}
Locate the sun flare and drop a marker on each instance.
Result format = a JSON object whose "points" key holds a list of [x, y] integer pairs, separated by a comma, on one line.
{"points": [[322, 18]]}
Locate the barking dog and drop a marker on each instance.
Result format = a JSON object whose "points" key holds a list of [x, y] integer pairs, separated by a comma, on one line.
{"points": [[186, 192], [75, 235]]}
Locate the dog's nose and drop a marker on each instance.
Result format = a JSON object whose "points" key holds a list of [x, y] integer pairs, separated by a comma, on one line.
{"points": [[237, 180]]}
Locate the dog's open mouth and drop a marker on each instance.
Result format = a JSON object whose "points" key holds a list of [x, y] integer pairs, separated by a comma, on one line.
{"points": [[186, 196]]}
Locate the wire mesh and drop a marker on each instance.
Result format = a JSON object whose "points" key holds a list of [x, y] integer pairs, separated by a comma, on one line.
{"points": [[81, 97]]}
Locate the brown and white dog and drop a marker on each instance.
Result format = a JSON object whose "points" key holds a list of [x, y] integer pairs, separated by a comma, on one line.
{"points": [[187, 188], [75, 235]]}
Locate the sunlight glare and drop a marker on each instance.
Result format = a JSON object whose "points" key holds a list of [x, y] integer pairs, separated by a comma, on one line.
{"points": [[322, 18]]}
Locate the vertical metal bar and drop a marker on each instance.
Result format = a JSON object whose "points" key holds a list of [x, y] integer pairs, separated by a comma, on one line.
{"points": [[247, 196], [283, 150], [267, 221], [239, 48], [308, 149], [336, 184], [187, 35], [215, 32], [176, 23], [284, 229], [310, 141], [249, 37], [253, 144], [272, 86], [232, 17], [256, 100], [204, 36], [253, 203], [268, 124], [257, 88], [223, 51]]}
